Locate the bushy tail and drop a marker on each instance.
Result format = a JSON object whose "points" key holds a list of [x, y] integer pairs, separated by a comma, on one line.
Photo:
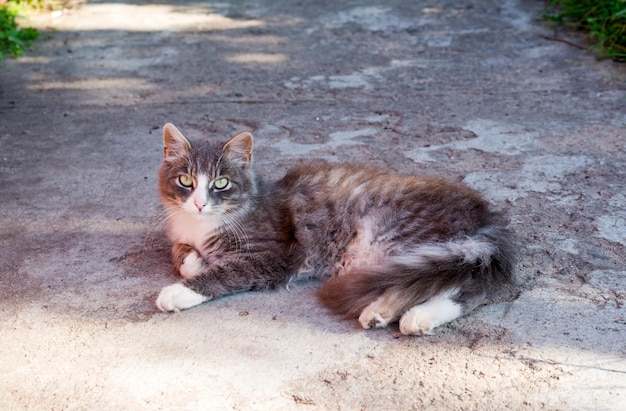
{"points": [[475, 265]]}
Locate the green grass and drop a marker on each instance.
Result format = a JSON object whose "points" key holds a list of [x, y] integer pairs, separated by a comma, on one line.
{"points": [[605, 20], [14, 40]]}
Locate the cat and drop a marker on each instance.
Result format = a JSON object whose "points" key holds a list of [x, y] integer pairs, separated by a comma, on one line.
{"points": [[388, 247]]}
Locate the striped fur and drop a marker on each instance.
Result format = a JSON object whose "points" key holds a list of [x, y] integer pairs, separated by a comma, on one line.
{"points": [[388, 247]]}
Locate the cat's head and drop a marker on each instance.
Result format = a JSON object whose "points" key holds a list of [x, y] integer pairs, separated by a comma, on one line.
{"points": [[206, 179]]}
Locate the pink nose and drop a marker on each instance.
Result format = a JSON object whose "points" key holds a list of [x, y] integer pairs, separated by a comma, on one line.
{"points": [[200, 206]]}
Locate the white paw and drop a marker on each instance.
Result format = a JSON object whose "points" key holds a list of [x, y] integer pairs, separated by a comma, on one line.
{"points": [[423, 318], [177, 297], [371, 318], [191, 266], [416, 322]]}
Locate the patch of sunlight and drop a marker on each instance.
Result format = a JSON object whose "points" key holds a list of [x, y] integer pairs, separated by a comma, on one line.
{"points": [[255, 39], [147, 17], [92, 84], [34, 59], [258, 58], [87, 225]]}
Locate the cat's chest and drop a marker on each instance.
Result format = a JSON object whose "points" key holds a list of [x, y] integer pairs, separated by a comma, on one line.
{"points": [[188, 229]]}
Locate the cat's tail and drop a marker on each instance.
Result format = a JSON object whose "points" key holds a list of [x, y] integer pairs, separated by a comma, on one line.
{"points": [[475, 266]]}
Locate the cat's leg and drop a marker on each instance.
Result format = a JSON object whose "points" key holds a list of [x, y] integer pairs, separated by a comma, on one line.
{"points": [[250, 272], [384, 310], [187, 260], [422, 319], [177, 297]]}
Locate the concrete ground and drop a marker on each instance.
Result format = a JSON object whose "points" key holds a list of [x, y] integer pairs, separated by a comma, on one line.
{"points": [[470, 90]]}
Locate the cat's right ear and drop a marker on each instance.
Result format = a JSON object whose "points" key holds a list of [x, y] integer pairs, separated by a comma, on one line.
{"points": [[174, 143]]}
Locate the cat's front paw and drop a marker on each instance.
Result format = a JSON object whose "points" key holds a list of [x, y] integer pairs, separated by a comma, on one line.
{"points": [[177, 297], [191, 266]]}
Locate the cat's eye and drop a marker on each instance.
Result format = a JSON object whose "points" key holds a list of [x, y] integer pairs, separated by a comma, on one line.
{"points": [[185, 181], [221, 183]]}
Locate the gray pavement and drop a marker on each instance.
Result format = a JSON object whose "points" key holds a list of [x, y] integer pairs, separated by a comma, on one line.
{"points": [[468, 90]]}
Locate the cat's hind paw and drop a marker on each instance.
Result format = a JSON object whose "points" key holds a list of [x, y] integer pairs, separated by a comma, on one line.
{"points": [[414, 322], [371, 318], [424, 318], [382, 311], [191, 266], [177, 297]]}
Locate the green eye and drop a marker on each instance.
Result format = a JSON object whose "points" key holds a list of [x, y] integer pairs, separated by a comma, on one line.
{"points": [[185, 181], [220, 183]]}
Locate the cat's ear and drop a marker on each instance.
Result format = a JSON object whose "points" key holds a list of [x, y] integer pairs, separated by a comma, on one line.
{"points": [[239, 149], [174, 143]]}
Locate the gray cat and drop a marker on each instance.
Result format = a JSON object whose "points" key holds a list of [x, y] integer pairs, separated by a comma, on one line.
{"points": [[389, 247]]}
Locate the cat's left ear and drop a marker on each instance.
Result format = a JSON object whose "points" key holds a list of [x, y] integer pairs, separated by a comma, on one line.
{"points": [[239, 149]]}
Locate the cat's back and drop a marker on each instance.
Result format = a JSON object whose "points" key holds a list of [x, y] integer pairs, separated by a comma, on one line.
{"points": [[350, 180], [320, 188], [320, 174]]}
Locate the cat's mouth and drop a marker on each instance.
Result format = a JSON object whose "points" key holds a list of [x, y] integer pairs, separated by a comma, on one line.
{"points": [[202, 214]]}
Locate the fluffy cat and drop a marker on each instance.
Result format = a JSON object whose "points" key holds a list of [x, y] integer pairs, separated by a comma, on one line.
{"points": [[389, 247]]}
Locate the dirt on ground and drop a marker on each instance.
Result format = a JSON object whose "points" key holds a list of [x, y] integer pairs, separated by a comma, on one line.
{"points": [[476, 91]]}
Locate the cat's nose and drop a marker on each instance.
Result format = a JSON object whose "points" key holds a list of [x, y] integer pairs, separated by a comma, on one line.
{"points": [[200, 205]]}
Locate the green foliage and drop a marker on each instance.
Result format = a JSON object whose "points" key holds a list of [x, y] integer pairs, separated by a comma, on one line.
{"points": [[13, 39], [36, 4], [605, 20]]}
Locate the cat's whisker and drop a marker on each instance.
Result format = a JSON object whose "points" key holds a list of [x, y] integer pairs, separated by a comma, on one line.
{"points": [[236, 229], [158, 222], [165, 216], [243, 244]]}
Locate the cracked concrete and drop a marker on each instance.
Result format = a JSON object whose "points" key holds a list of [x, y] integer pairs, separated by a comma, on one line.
{"points": [[460, 89]]}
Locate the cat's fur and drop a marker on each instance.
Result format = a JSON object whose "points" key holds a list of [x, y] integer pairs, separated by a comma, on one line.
{"points": [[389, 247]]}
